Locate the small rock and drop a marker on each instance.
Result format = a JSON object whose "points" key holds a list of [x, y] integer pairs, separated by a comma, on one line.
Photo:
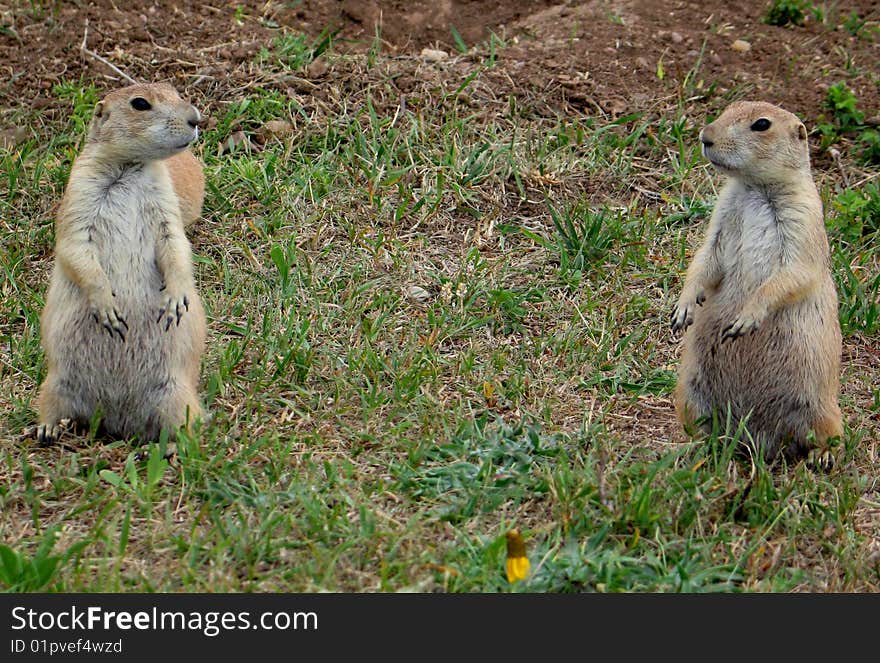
{"points": [[676, 37], [316, 68], [418, 294], [433, 55], [614, 106], [241, 53], [741, 46], [277, 128], [642, 63]]}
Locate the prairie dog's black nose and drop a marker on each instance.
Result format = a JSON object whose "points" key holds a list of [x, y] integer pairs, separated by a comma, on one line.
{"points": [[705, 139], [194, 119]]}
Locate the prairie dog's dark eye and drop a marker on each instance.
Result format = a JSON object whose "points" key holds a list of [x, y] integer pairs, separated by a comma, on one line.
{"points": [[141, 104], [761, 124]]}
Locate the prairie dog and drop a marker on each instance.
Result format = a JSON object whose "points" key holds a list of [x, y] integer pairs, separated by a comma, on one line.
{"points": [[123, 328], [765, 339], [188, 179]]}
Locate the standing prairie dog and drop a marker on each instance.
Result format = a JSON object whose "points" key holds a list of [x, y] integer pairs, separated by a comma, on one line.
{"points": [[765, 340], [123, 328]]}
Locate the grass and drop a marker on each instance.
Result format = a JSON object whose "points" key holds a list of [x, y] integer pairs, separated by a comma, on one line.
{"points": [[785, 12], [431, 322], [849, 119]]}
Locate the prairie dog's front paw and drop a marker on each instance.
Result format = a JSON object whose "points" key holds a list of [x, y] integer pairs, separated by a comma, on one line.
{"points": [[683, 315], [105, 313], [173, 307], [746, 323]]}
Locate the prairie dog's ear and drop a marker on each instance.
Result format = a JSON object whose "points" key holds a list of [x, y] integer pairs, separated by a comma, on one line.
{"points": [[801, 131], [98, 118]]}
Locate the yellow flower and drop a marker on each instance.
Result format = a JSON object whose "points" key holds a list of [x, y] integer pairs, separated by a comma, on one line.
{"points": [[517, 562]]}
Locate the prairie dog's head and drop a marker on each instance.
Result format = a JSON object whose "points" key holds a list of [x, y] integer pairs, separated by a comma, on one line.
{"points": [[757, 141], [144, 123]]}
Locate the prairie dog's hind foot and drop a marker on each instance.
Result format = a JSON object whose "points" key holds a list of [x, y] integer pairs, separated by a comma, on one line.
{"points": [[49, 433], [820, 459]]}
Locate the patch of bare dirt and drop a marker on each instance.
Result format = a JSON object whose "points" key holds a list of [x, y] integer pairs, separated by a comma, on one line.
{"points": [[624, 55], [412, 24], [596, 57]]}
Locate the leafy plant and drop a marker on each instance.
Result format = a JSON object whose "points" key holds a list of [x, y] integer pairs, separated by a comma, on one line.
{"points": [[842, 102], [20, 572], [142, 486], [460, 43], [854, 228], [858, 26], [859, 296], [857, 214], [848, 118], [784, 12], [296, 50], [870, 139], [583, 235]]}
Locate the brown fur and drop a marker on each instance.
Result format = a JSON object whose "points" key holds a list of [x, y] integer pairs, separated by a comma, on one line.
{"points": [[188, 179], [765, 340], [123, 327]]}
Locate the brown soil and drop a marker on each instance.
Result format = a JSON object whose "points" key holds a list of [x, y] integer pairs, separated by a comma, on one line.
{"points": [[596, 57]]}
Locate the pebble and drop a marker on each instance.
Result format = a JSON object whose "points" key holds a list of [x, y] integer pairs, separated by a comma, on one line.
{"points": [[316, 68], [434, 55], [279, 128], [418, 294]]}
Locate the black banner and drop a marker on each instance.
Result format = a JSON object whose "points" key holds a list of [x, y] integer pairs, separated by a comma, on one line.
{"points": [[219, 627]]}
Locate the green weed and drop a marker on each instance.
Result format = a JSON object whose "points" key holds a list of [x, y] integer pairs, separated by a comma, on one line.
{"points": [[785, 12], [849, 119]]}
